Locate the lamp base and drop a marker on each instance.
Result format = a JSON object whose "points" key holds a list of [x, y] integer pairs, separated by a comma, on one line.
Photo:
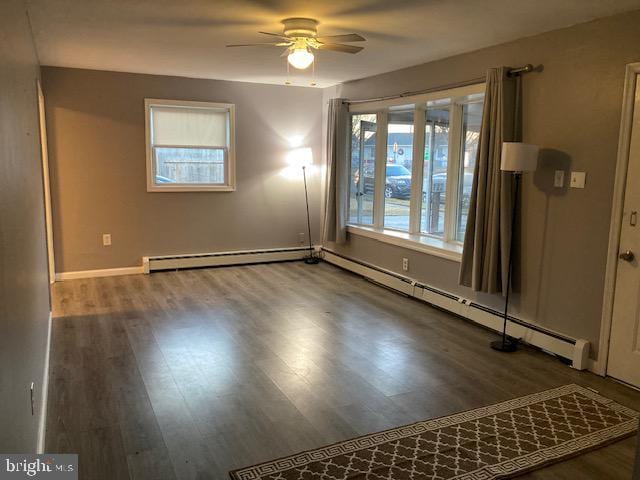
{"points": [[506, 346], [311, 260]]}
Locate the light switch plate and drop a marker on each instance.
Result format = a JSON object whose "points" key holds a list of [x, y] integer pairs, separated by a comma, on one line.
{"points": [[578, 179], [558, 179]]}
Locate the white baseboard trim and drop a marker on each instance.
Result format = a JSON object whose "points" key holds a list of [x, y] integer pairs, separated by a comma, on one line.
{"points": [[219, 259], [42, 421], [106, 272], [575, 350]]}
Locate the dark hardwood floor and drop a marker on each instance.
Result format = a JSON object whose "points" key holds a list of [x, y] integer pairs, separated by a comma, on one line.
{"points": [[190, 374]]}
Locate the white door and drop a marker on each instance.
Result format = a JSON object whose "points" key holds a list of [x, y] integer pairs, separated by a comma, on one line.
{"points": [[624, 346]]}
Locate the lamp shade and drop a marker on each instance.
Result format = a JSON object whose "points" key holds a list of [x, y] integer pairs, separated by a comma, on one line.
{"points": [[519, 157], [300, 157]]}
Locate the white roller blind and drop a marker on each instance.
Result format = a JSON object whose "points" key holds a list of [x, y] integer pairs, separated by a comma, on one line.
{"points": [[188, 126]]}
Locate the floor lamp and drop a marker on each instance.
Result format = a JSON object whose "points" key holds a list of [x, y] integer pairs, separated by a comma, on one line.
{"points": [[303, 157], [517, 158], [311, 259]]}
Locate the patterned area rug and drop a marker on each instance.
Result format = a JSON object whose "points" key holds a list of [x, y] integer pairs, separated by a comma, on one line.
{"points": [[498, 441]]}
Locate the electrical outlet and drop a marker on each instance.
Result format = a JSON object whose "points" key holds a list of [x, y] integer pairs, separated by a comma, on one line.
{"points": [[558, 179], [301, 238], [106, 239], [578, 179], [405, 264]]}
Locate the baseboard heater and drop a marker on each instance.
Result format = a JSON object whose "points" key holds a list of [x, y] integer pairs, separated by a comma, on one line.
{"points": [[219, 259], [576, 351]]}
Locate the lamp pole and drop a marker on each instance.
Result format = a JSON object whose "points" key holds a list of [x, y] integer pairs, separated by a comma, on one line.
{"points": [[505, 344], [311, 259]]}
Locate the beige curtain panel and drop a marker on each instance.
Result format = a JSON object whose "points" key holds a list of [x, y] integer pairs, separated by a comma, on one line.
{"points": [[485, 257], [335, 217]]}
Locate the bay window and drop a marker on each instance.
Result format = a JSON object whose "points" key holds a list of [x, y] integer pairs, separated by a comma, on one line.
{"points": [[412, 161]]}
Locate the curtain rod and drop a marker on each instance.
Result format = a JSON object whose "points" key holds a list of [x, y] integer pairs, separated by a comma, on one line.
{"points": [[512, 72]]}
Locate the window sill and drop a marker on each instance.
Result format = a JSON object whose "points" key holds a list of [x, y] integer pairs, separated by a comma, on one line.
{"points": [[194, 188], [419, 243]]}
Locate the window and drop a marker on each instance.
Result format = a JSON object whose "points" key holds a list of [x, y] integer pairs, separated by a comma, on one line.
{"points": [[398, 165], [425, 157], [435, 169], [471, 121], [190, 146], [362, 173]]}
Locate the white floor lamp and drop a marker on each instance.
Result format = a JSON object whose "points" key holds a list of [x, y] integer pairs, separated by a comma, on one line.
{"points": [[517, 158]]}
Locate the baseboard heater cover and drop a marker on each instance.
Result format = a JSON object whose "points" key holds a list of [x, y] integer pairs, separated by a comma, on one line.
{"points": [[574, 350], [219, 259]]}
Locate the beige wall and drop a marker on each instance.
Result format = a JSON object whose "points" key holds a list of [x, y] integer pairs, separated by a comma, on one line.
{"points": [[24, 286], [95, 123], [571, 109]]}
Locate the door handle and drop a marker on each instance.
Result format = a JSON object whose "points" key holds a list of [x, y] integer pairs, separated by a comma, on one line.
{"points": [[627, 256]]}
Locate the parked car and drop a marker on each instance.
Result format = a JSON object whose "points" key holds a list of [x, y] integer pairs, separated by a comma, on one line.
{"points": [[397, 184], [440, 184]]}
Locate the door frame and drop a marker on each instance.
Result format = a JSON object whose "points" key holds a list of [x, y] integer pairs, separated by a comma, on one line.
{"points": [[632, 72], [46, 182]]}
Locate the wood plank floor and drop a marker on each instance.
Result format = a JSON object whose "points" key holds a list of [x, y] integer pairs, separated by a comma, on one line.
{"points": [[186, 375]]}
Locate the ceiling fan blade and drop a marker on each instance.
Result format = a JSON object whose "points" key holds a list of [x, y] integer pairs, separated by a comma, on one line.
{"points": [[267, 44], [338, 47], [350, 37], [279, 35], [285, 53]]}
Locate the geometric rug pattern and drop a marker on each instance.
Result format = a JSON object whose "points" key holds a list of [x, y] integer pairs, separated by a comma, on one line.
{"points": [[497, 441]]}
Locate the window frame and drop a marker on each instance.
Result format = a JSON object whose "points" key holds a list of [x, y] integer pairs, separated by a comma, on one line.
{"points": [[457, 97], [229, 184]]}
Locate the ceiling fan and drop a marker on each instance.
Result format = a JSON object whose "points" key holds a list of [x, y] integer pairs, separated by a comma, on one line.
{"points": [[300, 37]]}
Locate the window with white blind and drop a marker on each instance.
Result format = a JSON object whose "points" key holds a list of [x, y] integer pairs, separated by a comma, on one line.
{"points": [[190, 146]]}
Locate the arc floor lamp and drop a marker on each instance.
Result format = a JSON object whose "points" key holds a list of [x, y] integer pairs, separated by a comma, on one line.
{"points": [[517, 158]]}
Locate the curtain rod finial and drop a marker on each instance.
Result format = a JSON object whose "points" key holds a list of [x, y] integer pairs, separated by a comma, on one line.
{"points": [[519, 70]]}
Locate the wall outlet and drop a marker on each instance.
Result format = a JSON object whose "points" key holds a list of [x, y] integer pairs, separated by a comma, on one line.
{"points": [[558, 179], [106, 239], [405, 264], [578, 179], [301, 238]]}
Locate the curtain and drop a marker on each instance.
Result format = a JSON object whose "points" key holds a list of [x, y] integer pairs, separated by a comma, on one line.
{"points": [[335, 213], [487, 240]]}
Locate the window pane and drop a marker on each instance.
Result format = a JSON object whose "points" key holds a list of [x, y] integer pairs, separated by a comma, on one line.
{"points": [[397, 188], [434, 177], [189, 165], [362, 168], [471, 121]]}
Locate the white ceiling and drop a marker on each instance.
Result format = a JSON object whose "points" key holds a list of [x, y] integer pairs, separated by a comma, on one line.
{"points": [[188, 37]]}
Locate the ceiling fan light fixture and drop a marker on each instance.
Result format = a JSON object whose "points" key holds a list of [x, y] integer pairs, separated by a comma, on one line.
{"points": [[300, 58]]}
